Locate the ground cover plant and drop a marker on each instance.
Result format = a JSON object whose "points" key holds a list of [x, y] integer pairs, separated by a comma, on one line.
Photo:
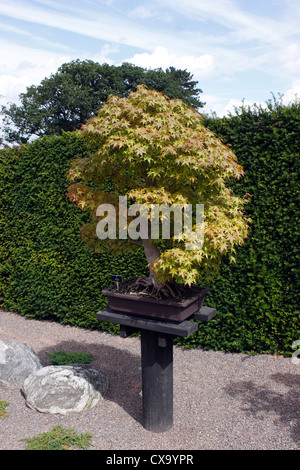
{"points": [[59, 438], [3, 411], [59, 358]]}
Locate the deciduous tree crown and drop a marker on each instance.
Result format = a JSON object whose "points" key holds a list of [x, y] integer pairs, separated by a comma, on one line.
{"points": [[156, 150]]}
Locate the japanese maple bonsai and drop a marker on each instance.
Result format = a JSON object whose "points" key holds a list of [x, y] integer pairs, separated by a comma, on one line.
{"points": [[155, 150]]}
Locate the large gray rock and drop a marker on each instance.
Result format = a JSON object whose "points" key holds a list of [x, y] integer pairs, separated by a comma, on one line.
{"points": [[64, 389], [17, 361]]}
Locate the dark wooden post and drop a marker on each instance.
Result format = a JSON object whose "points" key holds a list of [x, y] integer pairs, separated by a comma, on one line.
{"points": [[157, 360], [157, 380]]}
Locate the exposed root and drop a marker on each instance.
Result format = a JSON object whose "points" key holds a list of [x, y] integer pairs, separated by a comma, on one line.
{"points": [[147, 286]]}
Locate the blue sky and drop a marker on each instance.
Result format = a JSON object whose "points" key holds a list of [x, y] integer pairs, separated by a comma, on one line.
{"points": [[236, 49]]}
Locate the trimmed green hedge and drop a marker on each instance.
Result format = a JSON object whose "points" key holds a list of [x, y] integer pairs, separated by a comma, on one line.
{"points": [[257, 299], [46, 272]]}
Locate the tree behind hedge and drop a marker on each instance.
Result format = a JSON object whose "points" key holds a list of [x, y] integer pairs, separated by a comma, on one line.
{"points": [[67, 99]]}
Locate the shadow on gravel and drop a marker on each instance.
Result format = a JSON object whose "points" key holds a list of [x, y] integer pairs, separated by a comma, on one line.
{"points": [[122, 368], [258, 400]]}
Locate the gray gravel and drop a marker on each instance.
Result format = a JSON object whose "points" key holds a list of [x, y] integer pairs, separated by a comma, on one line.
{"points": [[221, 401]]}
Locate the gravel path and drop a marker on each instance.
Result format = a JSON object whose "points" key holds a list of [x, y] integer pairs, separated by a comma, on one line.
{"points": [[221, 401]]}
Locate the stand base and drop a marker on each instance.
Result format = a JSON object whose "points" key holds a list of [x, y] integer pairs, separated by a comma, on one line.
{"points": [[157, 360], [157, 381]]}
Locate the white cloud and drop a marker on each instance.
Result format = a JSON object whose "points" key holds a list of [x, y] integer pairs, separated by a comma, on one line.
{"points": [[110, 27], [223, 107], [24, 66], [289, 57], [141, 12], [240, 28], [262, 42], [227, 13], [201, 66], [236, 104], [213, 105], [38, 39], [150, 11], [292, 94], [217, 41]]}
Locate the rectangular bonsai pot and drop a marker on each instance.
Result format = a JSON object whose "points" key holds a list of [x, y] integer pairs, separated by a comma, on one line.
{"points": [[143, 306]]}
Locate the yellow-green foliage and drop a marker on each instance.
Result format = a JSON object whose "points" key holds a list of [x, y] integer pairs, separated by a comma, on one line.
{"points": [[157, 151]]}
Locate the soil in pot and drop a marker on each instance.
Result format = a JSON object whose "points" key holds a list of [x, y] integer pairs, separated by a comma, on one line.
{"points": [[172, 302]]}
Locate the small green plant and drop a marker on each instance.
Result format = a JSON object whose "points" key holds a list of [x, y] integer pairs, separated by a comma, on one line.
{"points": [[3, 412], [59, 439], [59, 358]]}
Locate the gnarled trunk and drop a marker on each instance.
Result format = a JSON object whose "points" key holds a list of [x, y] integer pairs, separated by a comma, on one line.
{"points": [[152, 254]]}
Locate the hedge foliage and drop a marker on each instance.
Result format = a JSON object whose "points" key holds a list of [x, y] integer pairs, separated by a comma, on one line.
{"points": [[46, 272], [257, 299]]}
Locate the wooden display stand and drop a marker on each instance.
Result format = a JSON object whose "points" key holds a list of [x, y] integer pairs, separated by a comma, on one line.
{"points": [[157, 359]]}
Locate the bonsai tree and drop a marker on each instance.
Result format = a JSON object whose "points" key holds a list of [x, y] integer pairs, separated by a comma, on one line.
{"points": [[156, 151]]}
